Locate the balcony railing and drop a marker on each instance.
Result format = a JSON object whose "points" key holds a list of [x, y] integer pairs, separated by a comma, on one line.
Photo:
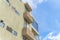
{"points": [[35, 26], [28, 17], [27, 32]]}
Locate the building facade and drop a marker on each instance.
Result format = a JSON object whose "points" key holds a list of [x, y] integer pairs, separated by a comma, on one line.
{"points": [[16, 21]]}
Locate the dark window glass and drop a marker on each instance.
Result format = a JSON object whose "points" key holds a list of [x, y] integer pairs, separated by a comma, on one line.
{"points": [[9, 29], [2, 23], [15, 11], [35, 25], [8, 2], [24, 38]]}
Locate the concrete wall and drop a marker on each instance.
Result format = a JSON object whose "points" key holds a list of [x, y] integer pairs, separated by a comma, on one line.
{"points": [[11, 19]]}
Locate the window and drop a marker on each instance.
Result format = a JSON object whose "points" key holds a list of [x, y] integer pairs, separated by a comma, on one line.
{"points": [[7, 2], [35, 25], [11, 31], [24, 38], [14, 33], [15, 11], [20, 0], [2, 23]]}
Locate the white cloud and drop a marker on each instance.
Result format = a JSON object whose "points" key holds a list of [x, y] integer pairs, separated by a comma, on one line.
{"points": [[51, 37], [33, 3]]}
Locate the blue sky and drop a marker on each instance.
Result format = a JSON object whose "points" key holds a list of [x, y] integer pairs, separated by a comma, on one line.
{"points": [[47, 13]]}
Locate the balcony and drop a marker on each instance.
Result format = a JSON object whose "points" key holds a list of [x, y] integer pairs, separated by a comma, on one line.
{"points": [[28, 8], [35, 27], [28, 34], [27, 16]]}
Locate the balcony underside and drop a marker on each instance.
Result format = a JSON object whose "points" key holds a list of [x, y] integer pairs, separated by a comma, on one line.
{"points": [[28, 17], [27, 6], [27, 33]]}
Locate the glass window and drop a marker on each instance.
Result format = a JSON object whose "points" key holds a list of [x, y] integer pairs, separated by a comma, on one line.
{"points": [[7, 2], [24, 38], [15, 11], [35, 25], [12, 31], [9, 29], [2, 23], [20, 0]]}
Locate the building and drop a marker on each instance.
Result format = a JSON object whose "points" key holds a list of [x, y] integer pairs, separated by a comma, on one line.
{"points": [[16, 21]]}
